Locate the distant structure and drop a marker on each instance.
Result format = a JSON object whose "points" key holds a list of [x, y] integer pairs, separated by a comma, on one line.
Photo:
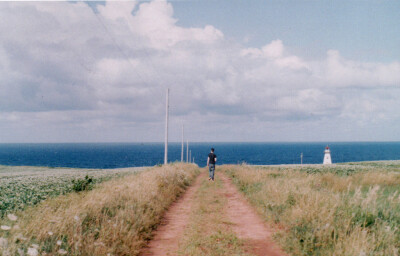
{"points": [[182, 144], [187, 151], [301, 158], [327, 157]]}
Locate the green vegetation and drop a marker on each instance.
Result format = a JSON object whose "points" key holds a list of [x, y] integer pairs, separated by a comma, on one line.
{"points": [[24, 186], [349, 209], [394, 164], [82, 184]]}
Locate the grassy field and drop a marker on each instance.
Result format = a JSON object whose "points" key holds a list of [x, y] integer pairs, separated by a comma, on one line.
{"points": [[349, 209], [346, 209], [384, 164], [115, 218], [24, 186]]}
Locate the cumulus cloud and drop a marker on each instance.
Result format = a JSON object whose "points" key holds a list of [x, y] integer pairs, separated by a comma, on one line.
{"points": [[343, 73], [69, 73]]}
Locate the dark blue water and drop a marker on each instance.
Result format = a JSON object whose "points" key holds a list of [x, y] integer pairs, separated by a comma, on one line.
{"points": [[116, 155]]}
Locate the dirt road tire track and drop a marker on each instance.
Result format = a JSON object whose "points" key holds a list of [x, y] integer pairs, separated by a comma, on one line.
{"points": [[247, 224], [168, 234], [240, 215]]}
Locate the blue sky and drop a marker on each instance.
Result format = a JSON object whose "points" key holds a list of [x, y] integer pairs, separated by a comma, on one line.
{"points": [[237, 70], [362, 30]]}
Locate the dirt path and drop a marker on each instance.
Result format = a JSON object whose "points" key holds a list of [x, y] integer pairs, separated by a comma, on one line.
{"points": [[167, 236], [238, 217], [247, 224]]}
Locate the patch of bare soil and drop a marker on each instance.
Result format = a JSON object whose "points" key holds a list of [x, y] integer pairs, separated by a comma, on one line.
{"points": [[168, 234], [247, 224]]}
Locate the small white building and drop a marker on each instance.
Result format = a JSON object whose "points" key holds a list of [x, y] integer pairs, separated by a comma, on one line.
{"points": [[327, 157]]}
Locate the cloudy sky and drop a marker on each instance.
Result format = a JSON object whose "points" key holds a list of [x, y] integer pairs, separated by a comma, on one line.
{"points": [[237, 70]]}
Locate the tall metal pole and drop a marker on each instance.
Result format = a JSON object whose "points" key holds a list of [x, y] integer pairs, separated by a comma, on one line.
{"points": [[166, 129], [182, 143], [190, 156], [187, 150]]}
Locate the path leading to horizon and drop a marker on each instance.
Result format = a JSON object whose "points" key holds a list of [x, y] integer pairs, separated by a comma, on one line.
{"points": [[236, 216]]}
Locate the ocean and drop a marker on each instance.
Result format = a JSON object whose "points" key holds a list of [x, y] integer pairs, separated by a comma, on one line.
{"points": [[119, 155]]}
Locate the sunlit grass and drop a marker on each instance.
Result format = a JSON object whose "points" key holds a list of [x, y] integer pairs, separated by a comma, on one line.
{"points": [[24, 186], [115, 218], [338, 210]]}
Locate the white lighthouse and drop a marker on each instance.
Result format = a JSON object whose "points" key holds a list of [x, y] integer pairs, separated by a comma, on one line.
{"points": [[327, 157]]}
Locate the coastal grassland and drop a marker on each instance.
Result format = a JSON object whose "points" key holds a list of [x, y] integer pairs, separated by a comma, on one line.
{"points": [[394, 164], [22, 186], [115, 218], [319, 210], [209, 233]]}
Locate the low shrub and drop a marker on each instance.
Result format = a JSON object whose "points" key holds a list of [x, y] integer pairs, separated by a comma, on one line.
{"points": [[82, 184]]}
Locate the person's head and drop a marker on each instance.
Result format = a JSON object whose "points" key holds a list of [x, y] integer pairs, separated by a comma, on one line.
{"points": [[212, 150]]}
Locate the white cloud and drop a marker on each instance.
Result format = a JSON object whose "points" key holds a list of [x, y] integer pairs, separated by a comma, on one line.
{"points": [[274, 49], [274, 52], [344, 73], [79, 75]]}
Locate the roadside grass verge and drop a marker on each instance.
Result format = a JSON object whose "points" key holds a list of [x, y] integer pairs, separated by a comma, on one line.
{"points": [[209, 233], [326, 211], [115, 218]]}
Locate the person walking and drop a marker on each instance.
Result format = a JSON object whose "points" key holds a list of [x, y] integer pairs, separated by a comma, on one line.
{"points": [[212, 158]]}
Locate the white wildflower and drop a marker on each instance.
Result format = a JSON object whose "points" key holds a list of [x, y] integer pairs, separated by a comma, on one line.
{"points": [[387, 228], [62, 252], [76, 218], [59, 242], [32, 252], [16, 227], [3, 242], [327, 225], [12, 217], [4, 227], [21, 252], [50, 233]]}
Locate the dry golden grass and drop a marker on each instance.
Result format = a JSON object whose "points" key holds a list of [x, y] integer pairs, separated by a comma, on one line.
{"points": [[327, 211], [116, 218], [209, 233]]}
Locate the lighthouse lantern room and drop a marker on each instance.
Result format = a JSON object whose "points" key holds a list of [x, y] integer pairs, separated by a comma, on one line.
{"points": [[327, 157]]}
